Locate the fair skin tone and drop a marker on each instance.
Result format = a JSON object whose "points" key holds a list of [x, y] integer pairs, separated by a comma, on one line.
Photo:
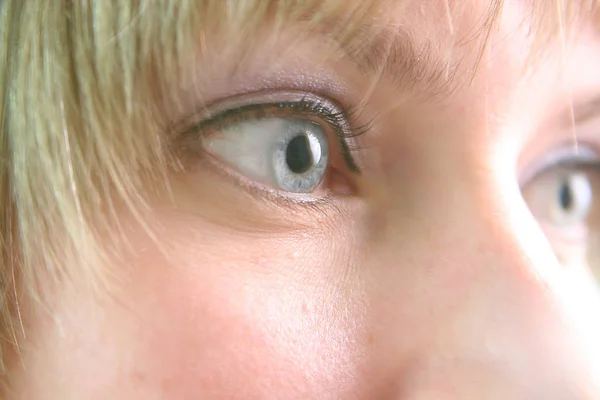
{"points": [[426, 276]]}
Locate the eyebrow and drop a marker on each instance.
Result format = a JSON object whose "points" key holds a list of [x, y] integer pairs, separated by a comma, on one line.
{"points": [[393, 54]]}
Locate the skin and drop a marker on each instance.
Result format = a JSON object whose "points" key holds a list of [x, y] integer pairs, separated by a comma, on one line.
{"points": [[432, 279]]}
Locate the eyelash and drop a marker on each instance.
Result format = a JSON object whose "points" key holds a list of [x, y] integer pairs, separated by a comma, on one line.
{"points": [[342, 122]]}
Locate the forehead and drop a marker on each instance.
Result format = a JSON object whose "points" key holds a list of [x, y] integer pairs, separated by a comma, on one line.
{"points": [[343, 15], [427, 41], [380, 35], [442, 25]]}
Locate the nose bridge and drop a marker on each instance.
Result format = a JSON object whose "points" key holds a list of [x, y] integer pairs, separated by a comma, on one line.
{"points": [[464, 284]]}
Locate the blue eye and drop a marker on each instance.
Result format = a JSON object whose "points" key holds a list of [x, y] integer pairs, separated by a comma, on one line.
{"points": [[564, 197], [287, 154], [563, 193], [574, 197], [568, 196], [285, 141]]}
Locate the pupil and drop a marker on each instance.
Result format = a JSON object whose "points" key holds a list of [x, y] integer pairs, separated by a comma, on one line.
{"points": [[565, 196], [298, 155]]}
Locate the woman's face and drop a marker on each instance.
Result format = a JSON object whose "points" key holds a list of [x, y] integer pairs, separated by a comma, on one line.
{"points": [[412, 220]]}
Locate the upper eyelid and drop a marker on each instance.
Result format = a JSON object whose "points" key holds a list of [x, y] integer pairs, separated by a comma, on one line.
{"points": [[561, 156], [227, 115], [260, 99]]}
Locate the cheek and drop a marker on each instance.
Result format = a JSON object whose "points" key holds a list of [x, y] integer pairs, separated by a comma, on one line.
{"points": [[230, 335], [257, 319]]}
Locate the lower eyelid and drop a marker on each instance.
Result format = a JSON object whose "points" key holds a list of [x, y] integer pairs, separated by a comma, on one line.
{"points": [[261, 192]]}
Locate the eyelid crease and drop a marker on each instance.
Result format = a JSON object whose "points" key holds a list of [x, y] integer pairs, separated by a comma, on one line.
{"points": [[335, 116], [564, 156]]}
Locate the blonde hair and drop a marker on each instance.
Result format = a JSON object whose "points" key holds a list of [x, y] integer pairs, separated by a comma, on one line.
{"points": [[82, 129]]}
